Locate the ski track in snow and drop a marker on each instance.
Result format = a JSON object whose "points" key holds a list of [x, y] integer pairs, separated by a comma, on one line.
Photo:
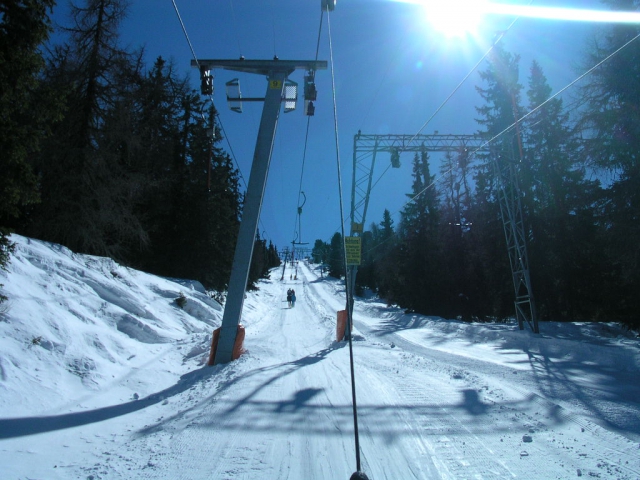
{"points": [[283, 410]]}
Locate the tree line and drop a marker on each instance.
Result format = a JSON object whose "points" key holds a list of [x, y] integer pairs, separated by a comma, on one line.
{"points": [[579, 177], [109, 156]]}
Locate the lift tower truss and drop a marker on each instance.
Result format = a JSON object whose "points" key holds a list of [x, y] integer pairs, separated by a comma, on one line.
{"points": [[509, 197], [277, 72], [365, 150]]}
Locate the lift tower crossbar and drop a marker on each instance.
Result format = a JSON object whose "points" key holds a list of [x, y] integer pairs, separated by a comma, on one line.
{"points": [[276, 72], [366, 147]]}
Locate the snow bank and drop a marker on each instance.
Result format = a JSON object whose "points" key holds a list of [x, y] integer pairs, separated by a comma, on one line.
{"points": [[75, 324]]}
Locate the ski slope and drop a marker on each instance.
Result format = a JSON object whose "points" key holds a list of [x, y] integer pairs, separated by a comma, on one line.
{"points": [[437, 399]]}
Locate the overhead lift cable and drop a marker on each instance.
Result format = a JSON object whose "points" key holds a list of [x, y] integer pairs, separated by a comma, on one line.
{"points": [[466, 77], [195, 57], [184, 29], [518, 121], [493, 45], [296, 232], [233, 155], [358, 474], [509, 199], [588, 72]]}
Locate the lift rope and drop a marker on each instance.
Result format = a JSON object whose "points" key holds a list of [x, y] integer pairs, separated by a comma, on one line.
{"points": [[446, 100], [296, 231], [519, 120], [559, 92], [195, 57], [493, 45], [184, 30], [349, 300]]}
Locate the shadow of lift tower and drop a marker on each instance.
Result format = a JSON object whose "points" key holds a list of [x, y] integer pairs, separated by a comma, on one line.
{"points": [[365, 150], [279, 90]]}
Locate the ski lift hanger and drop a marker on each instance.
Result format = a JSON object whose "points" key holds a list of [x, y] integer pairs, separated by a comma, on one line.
{"points": [[235, 98], [269, 68], [233, 91]]}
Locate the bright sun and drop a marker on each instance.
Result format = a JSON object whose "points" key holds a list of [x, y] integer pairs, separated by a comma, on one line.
{"points": [[455, 18]]}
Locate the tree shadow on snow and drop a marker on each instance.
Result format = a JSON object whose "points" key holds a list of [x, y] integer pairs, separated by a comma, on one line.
{"points": [[607, 390], [397, 321]]}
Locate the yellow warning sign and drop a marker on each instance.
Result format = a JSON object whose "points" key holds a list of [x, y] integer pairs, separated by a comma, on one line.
{"points": [[353, 250], [275, 84], [356, 227]]}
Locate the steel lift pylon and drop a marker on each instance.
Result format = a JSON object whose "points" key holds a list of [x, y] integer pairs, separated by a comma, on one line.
{"points": [[277, 73]]}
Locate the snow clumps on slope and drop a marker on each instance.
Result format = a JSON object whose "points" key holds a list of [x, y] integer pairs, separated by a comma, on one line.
{"points": [[84, 328]]}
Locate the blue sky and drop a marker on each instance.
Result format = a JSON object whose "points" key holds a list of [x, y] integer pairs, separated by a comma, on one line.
{"points": [[392, 71]]}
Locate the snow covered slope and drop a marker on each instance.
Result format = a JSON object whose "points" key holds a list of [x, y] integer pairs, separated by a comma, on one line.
{"points": [[84, 330], [102, 376]]}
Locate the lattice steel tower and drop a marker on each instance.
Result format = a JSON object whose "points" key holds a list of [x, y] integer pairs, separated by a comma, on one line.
{"points": [[365, 150]]}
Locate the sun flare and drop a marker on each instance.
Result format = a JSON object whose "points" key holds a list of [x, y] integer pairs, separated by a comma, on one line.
{"points": [[455, 18]]}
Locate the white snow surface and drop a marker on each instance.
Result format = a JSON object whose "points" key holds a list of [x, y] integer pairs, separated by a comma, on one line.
{"points": [[104, 376]]}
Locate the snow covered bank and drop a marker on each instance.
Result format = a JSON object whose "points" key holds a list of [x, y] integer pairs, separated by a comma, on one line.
{"points": [[78, 326]]}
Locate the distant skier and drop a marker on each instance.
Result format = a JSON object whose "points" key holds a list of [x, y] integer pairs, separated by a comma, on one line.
{"points": [[293, 297], [289, 297]]}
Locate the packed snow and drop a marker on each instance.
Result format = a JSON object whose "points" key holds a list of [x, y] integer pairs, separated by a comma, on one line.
{"points": [[103, 376]]}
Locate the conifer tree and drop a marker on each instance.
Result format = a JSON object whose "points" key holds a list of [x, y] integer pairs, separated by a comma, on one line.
{"points": [[86, 204], [319, 251], [157, 159], [366, 271], [336, 256], [610, 122], [273, 258], [26, 108], [565, 245], [457, 274], [133, 171], [206, 207], [259, 263], [417, 285], [263, 260], [501, 95], [382, 253], [190, 199]]}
